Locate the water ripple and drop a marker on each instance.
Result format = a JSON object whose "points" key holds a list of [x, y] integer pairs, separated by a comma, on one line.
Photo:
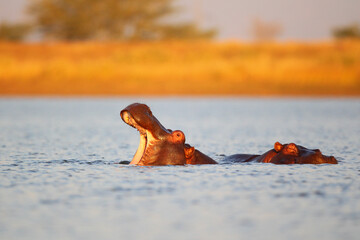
{"points": [[60, 177]]}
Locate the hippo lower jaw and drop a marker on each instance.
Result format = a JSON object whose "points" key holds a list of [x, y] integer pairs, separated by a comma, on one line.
{"points": [[146, 138]]}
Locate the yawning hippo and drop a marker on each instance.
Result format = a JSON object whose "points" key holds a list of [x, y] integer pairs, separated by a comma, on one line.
{"points": [[158, 145], [285, 154]]}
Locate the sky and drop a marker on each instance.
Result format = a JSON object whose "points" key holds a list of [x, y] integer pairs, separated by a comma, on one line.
{"points": [[300, 19]]}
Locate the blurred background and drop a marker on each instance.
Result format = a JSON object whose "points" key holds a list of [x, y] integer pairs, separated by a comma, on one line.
{"points": [[58, 175], [180, 47]]}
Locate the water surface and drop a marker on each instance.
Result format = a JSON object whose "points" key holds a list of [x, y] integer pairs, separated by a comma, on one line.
{"points": [[59, 178]]}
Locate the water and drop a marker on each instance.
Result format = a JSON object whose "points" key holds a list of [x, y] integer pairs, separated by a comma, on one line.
{"points": [[59, 178]]}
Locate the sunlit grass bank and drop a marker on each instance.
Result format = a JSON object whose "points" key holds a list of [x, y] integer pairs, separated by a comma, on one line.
{"points": [[190, 68]]}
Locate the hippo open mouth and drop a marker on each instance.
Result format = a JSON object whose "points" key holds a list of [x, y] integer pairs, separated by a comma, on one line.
{"points": [[158, 145], [144, 136]]}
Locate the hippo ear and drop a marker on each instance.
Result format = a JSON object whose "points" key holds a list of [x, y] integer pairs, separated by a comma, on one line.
{"points": [[178, 136], [278, 146], [189, 151]]}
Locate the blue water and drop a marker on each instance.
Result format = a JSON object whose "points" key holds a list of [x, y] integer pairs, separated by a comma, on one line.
{"points": [[59, 178]]}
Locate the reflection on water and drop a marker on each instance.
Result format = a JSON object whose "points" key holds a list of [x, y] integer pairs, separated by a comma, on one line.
{"points": [[59, 178]]}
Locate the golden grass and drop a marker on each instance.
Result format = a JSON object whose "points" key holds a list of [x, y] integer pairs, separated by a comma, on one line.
{"points": [[183, 68]]}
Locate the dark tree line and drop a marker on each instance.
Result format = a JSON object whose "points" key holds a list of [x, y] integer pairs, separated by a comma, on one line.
{"points": [[76, 20], [14, 32], [79, 20], [349, 31]]}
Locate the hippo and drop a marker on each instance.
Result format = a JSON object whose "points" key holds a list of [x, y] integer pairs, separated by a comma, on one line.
{"points": [[158, 145], [161, 146], [290, 153]]}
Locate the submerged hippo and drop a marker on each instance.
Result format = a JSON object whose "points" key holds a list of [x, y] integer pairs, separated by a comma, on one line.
{"points": [[161, 146], [158, 145], [286, 154]]}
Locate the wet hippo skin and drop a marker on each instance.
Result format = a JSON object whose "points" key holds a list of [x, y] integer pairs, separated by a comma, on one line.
{"points": [[158, 145], [285, 154], [161, 146]]}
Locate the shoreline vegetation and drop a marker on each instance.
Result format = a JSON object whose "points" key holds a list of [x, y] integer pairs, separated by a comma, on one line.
{"points": [[180, 68]]}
